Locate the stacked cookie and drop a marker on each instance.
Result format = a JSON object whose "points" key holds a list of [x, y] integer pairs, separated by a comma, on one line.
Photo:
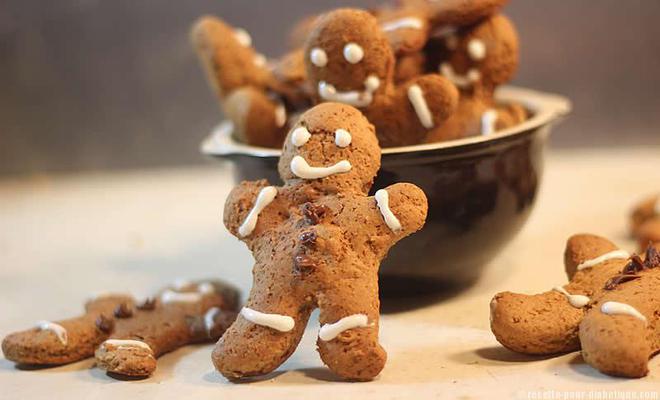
{"points": [[420, 71]]}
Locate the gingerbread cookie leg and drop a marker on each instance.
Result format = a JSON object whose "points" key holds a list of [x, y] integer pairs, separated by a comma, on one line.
{"points": [[192, 313], [274, 328], [61, 342], [548, 323], [259, 119], [348, 338]]}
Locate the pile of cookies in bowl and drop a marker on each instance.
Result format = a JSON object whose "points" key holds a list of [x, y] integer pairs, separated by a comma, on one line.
{"points": [[421, 71]]}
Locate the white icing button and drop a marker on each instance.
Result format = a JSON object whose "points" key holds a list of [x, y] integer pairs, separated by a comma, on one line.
{"points": [[243, 37], [416, 98], [353, 53], [264, 198], [209, 319], [403, 23], [302, 169], [331, 331], [372, 83], [300, 136], [576, 300], [170, 296], [476, 49], [318, 57], [280, 115], [282, 323], [342, 138], [57, 329], [615, 308], [383, 203], [126, 343], [612, 255], [488, 120]]}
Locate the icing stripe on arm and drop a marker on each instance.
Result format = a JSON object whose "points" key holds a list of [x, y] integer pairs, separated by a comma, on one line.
{"points": [[488, 120], [264, 198], [383, 203], [416, 98]]}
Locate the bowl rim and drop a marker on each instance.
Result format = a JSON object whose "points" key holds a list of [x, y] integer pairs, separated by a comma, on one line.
{"points": [[546, 108]]}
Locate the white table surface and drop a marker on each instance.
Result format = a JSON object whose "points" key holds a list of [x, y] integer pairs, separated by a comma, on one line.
{"points": [[63, 237]]}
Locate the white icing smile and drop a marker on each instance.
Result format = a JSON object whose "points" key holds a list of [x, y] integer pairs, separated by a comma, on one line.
{"points": [[302, 169], [354, 98], [462, 81]]}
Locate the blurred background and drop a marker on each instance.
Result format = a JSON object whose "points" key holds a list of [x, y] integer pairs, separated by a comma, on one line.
{"points": [[93, 85]]}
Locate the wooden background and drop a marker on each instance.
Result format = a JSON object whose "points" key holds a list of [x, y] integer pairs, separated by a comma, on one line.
{"points": [[90, 84]]}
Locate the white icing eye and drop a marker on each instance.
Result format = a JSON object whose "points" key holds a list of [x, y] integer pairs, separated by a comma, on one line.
{"points": [[300, 136], [342, 138], [243, 37], [476, 49], [318, 57], [353, 53]]}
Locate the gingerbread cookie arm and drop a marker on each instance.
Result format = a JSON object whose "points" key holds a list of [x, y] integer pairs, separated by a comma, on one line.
{"points": [[402, 207], [415, 108], [245, 203], [548, 323], [195, 313], [61, 342]]}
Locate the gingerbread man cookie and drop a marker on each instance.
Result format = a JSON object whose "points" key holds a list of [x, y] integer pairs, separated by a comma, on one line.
{"points": [[317, 243], [645, 221], [254, 96], [349, 60], [609, 292], [477, 59], [127, 336]]}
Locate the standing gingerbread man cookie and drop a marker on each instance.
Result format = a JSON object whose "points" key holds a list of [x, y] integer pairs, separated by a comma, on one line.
{"points": [[317, 242]]}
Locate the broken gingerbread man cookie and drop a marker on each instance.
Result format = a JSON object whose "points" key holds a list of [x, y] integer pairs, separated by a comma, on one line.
{"points": [[317, 242], [127, 336], [609, 309]]}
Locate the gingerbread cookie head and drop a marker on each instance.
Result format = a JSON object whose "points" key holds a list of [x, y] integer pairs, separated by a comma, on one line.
{"points": [[348, 57], [481, 56], [332, 148]]}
